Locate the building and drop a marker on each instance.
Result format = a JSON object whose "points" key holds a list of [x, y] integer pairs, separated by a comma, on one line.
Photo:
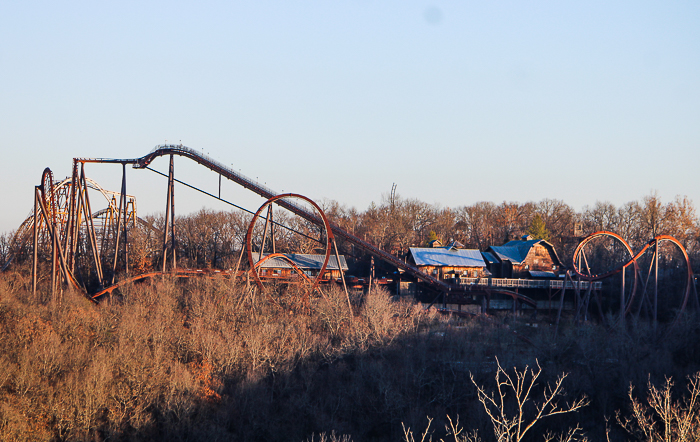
{"points": [[310, 264], [525, 258], [448, 263]]}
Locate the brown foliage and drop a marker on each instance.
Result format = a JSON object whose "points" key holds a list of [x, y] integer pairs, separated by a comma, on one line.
{"points": [[209, 359], [158, 362]]}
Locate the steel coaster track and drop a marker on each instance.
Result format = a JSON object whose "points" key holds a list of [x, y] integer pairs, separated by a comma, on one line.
{"points": [[651, 244], [267, 193]]}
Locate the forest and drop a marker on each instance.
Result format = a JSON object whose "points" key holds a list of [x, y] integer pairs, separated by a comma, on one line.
{"points": [[213, 239], [215, 359]]}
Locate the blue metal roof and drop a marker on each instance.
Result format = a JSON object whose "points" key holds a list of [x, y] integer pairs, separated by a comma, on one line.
{"points": [[303, 261], [442, 256], [514, 254], [488, 256]]}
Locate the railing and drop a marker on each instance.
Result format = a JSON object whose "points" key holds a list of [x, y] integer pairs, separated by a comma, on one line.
{"points": [[527, 283], [207, 160]]}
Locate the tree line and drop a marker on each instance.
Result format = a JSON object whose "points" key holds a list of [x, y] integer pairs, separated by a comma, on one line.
{"points": [[209, 238], [395, 224]]}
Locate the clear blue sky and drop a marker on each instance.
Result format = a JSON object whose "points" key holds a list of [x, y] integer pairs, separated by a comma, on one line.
{"points": [[455, 101]]}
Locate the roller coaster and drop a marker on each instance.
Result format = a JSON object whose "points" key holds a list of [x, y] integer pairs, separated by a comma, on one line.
{"points": [[63, 221], [62, 214], [641, 296]]}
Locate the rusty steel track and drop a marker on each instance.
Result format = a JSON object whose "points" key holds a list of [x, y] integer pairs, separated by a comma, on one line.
{"points": [[652, 245], [64, 237], [178, 273], [267, 193], [249, 236]]}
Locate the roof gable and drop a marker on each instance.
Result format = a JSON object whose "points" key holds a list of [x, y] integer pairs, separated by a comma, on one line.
{"points": [[516, 251]]}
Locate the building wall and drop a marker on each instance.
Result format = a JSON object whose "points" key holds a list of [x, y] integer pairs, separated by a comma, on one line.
{"points": [[408, 288], [288, 273], [447, 273]]}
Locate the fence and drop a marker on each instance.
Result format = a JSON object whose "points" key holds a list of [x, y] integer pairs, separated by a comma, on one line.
{"points": [[528, 283]]}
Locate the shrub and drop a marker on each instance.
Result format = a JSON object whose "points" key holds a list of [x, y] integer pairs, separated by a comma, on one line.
{"points": [[661, 418]]}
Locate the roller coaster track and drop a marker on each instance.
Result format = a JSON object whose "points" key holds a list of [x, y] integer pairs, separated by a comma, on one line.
{"points": [[651, 245], [266, 192], [60, 193], [62, 204]]}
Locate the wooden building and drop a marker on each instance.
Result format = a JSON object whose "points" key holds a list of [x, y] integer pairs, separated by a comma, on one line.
{"points": [[310, 264], [524, 258], [448, 263]]}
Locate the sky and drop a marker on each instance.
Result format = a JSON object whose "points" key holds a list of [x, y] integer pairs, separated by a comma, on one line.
{"points": [[454, 101]]}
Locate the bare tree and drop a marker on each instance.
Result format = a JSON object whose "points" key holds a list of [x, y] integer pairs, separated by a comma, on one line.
{"points": [[602, 216], [653, 215], [5, 243], [476, 221], [511, 220], [662, 418], [512, 420], [558, 218]]}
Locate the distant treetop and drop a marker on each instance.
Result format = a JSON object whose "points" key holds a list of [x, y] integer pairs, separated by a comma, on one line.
{"points": [[538, 229]]}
